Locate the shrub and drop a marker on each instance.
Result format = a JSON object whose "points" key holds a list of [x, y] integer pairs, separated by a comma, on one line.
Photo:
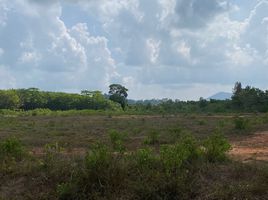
{"points": [[98, 158], [202, 122], [175, 133], [52, 155], [102, 175], [215, 147], [65, 191], [241, 123], [11, 148], [183, 152], [144, 158], [117, 140], [152, 138]]}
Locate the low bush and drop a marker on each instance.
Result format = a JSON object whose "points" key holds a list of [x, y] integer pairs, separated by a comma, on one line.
{"points": [[98, 157], [241, 123], [52, 156], [145, 158], [175, 134], [215, 147], [183, 152], [11, 148], [152, 138], [117, 140]]}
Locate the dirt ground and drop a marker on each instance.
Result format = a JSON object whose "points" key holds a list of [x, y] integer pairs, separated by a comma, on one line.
{"points": [[253, 147]]}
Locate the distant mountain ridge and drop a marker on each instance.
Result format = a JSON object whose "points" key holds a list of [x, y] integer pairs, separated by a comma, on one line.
{"points": [[221, 96]]}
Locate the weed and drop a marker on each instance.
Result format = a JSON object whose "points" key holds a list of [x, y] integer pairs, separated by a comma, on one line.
{"points": [[183, 152], [117, 140], [52, 155], [11, 148], [175, 133], [98, 158], [152, 138], [144, 158], [202, 122], [241, 123], [215, 147]]}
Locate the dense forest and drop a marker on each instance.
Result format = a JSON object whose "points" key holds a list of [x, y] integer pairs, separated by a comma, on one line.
{"points": [[248, 99]]}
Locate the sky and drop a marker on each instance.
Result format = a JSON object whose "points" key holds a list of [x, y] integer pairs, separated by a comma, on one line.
{"points": [[179, 49]]}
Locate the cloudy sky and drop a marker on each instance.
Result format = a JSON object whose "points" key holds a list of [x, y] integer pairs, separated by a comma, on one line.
{"points": [[157, 48]]}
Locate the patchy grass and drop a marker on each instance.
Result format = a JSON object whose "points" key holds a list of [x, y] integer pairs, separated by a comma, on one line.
{"points": [[104, 157]]}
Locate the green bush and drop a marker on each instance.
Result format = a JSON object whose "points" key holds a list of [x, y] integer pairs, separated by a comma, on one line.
{"points": [[175, 133], [183, 152], [117, 140], [152, 138], [215, 147], [144, 158], [241, 123], [65, 191], [52, 155], [202, 122], [11, 148], [98, 157]]}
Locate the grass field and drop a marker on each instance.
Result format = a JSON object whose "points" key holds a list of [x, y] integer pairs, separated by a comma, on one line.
{"points": [[131, 156]]}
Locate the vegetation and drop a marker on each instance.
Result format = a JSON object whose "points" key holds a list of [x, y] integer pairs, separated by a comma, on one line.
{"points": [[248, 99], [102, 157], [33, 98], [94, 146], [118, 93]]}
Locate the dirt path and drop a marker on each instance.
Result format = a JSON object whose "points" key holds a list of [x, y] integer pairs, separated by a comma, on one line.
{"points": [[253, 147]]}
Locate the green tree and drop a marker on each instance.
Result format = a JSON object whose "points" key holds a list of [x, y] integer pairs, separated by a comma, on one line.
{"points": [[9, 99], [236, 98], [118, 93], [237, 88], [32, 98]]}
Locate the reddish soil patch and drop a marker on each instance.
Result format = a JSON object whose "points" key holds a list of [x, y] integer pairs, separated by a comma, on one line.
{"points": [[254, 147]]}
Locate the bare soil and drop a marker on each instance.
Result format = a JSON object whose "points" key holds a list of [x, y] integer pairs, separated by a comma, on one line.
{"points": [[252, 147]]}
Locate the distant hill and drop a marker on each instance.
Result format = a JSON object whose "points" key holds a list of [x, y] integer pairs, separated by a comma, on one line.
{"points": [[221, 96]]}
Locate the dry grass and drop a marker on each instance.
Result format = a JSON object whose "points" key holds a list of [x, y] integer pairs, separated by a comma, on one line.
{"points": [[41, 174]]}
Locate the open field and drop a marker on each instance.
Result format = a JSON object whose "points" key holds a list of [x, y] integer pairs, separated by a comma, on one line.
{"points": [[65, 140]]}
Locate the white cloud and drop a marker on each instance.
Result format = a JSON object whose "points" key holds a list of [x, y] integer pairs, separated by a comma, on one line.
{"points": [[184, 50], [1, 52], [6, 79], [151, 46], [45, 47]]}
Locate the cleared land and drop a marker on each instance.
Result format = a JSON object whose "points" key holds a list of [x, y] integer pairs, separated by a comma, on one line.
{"points": [[76, 134]]}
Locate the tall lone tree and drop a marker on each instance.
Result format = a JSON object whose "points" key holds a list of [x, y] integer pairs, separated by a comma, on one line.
{"points": [[236, 98], [118, 93]]}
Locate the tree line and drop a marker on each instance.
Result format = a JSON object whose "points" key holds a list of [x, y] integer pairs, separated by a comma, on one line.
{"points": [[33, 98], [248, 99]]}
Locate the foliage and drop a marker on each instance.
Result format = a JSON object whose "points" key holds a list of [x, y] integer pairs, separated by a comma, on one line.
{"points": [[145, 158], [11, 148], [152, 138], [9, 99], [118, 93], [241, 123], [98, 157], [248, 99], [215, 147], [52, 156], [33, 98], [117, 140], [183, 152]]}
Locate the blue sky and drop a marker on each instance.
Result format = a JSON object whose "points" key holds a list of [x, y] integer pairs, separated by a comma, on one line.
{"points": [[181, 49]]}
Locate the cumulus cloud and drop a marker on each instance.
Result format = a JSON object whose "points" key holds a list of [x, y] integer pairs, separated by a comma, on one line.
{"points": [[45, 51], [167, 47], [196, 14]]}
